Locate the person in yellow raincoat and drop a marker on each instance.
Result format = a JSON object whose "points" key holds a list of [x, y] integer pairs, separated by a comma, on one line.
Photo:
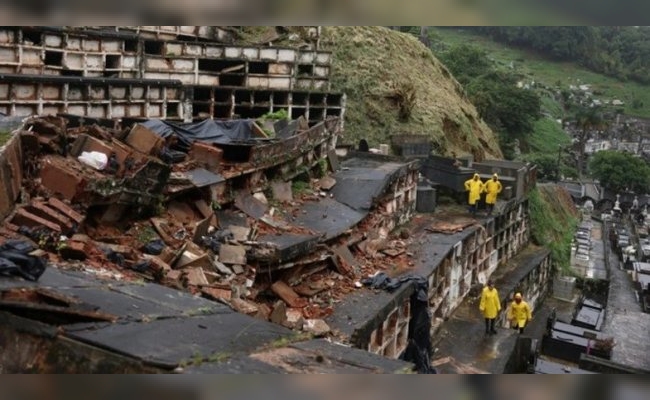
{"points": [[475, 187], [492, 187], [519, 313], [490, 306]]}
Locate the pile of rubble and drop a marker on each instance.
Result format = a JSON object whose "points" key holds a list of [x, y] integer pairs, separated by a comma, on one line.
{"points": [[200, 212]]}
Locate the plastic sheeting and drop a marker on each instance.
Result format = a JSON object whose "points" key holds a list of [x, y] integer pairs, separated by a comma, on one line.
{"points": [[210, 131], [419, 349], [15, 260]]}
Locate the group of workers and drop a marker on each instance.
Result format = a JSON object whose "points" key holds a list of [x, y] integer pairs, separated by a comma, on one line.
{"points": [[476, 187], [519, 312]]}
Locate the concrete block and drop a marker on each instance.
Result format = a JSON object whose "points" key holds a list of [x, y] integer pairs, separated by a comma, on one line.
{"points": [[154, 111], [279, 83], [135, 110], [77, 109], [154, 93], [112, 46], [269, 54], [173, 49], [214, 52], [73, 44], [6, 36], [73, 61], [306, 57], [7, 55], [25, 92], [279, 69], [96, 111], [317, 327], [75, 93], [137, 92], [152, 63], [31, 57], [232, 255], [193, 50], [118, 111], [53, 40], [208, 80], [144, 140], [117, 93], [183, 64], [322, 71], [4, 91], [257, 82], [282, 191], [286, 55], [90, 45], [129, 62], [251, 53], [94, 61], [97, 93], [233, 52], [50, 92], [208, 156], [323, 58]]}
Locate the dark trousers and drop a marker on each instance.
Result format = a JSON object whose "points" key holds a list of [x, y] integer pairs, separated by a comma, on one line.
{"points": [[489, 325]]}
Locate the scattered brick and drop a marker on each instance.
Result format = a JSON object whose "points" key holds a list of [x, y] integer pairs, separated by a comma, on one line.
{"points": [[206, 155], [144, 140], [25, 218], [65, 210]]}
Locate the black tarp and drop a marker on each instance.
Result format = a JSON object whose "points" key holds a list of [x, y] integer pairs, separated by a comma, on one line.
{"points": [[209, 131], [15, 259], [419, 349]]}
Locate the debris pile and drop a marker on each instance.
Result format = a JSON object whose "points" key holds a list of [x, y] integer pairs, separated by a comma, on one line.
{"points": [[209, 208]]}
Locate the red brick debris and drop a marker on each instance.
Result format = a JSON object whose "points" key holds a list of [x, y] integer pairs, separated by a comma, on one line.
{"points": [[138, 219]]}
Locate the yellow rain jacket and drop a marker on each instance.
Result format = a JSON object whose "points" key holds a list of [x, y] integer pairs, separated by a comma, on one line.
{"points": [[520, 314], [492, 188], [475, 187], [490, 303]]}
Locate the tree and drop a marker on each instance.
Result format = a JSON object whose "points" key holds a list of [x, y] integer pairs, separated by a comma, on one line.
{"points": [[618, 171], [587, 119]]}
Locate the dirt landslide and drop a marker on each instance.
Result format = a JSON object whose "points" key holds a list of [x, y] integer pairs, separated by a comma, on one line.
{"points": [[395, 85]]}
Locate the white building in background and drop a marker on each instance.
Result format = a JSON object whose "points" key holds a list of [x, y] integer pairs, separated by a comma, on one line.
{"points": [[594, 146]]}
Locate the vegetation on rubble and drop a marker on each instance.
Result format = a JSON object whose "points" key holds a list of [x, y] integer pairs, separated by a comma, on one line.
{"points": [[300, 187], [4, 137], [553, 222], [395, 85]]}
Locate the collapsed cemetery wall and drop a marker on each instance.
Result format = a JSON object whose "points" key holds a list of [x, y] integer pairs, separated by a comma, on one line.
{"points": [[11, 174]]}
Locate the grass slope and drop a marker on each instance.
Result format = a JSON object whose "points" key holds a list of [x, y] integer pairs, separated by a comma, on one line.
{"points": [[372, 64], [549, 72]]}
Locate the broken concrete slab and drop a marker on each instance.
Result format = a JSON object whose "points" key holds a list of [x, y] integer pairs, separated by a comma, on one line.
{"points": [[286, 293], [251, 206], [333, 159], [231, 254], [282, 191], [244, 306], [294, 318], [261, 197], [144, 140], [279, 313], [204, 208], [60, 176], [317, 327], [222, 268], [240, 233], [327, 182], [88, 143], [196, 277], [45, 212], [206, 155], [217, 293], [238, 269]]}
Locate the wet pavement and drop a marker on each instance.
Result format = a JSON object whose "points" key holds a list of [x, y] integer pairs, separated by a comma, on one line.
{"points": [[166, 328]]}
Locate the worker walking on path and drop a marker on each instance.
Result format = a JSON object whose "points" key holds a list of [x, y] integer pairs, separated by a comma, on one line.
{"points": [[475, 187], [519, 313], [492, 187], [490, 306]]}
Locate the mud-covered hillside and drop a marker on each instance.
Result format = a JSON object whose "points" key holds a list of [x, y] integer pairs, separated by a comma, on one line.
{"points": [[395, 85]]}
